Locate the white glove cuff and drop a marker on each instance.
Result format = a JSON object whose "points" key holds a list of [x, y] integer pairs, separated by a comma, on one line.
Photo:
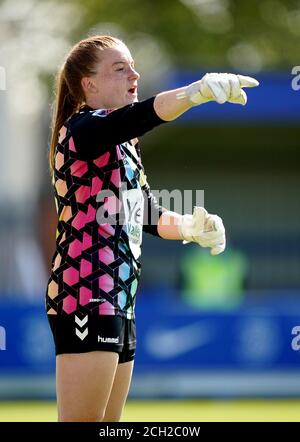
{"points": [[192, 92]]}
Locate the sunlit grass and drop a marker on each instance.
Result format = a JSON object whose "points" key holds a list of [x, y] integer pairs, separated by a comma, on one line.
{"points": [[168, 411]]}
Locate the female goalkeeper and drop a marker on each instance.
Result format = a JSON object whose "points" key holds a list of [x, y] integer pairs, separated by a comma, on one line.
{"points": [[102, 195]]}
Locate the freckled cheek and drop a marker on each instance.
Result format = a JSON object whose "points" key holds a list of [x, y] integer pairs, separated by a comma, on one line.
{"points": [[118, 87], [111, 89], [105, 83], [106, 89]]}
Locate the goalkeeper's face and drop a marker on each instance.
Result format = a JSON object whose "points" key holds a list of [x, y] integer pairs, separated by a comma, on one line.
{"points": [[115, 82]]}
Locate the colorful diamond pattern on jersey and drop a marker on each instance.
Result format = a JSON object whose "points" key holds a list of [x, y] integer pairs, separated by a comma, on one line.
{"points": [[94, 268]]}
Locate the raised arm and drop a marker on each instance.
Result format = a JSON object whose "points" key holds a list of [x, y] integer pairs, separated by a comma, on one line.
{"points": [[212, 87], [96, 129]]}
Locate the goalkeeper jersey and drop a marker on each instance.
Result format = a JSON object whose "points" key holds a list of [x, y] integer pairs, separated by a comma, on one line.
{"points": [[104, 203]]}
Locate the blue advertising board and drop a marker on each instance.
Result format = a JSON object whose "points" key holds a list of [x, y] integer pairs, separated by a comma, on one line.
{"points": [[181, 351], [260, 107]]}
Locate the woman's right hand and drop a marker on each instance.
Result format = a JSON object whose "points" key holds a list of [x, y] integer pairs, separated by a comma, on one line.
{"points": [[219, 87]]}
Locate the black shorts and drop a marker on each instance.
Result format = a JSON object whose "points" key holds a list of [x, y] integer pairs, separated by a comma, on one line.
{"points": [[77, 333]]}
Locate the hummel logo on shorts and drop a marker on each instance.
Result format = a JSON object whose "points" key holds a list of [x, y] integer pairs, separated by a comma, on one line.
{"points": [[108, 340]]}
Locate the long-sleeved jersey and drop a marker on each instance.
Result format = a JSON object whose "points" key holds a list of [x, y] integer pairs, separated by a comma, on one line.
{"points": [[103, 203]]}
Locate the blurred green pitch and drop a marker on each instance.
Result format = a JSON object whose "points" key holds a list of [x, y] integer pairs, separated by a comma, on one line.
{"points": [[169, 411]]}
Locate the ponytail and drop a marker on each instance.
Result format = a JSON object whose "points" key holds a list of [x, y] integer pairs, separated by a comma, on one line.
{"points": [[63, 107]]}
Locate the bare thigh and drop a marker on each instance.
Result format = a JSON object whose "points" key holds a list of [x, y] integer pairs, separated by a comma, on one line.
{"points": [[84, 382], [119, 392]]}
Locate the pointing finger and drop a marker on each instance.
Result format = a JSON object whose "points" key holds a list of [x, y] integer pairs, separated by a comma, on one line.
{"points": [[246, 81]]}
